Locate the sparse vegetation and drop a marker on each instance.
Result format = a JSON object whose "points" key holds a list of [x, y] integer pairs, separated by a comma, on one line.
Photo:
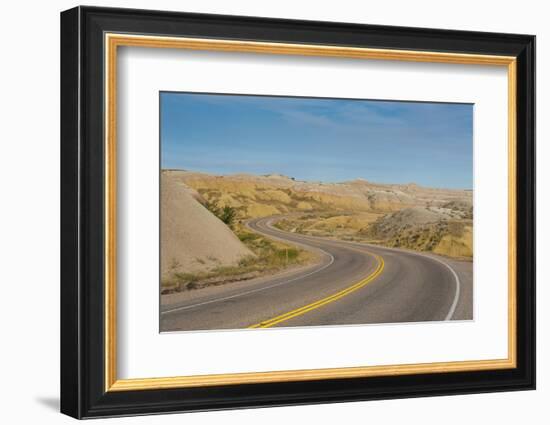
{"points": [[270, 257], [328, 224], [441, 222], [407, 216], [445, 230]]}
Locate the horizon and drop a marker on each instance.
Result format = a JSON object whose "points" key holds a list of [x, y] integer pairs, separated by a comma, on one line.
{"points": [[318, 139], [316, 181]]}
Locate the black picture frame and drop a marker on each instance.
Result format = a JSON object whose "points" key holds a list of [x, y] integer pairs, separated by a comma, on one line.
{"points": [[83, 392]]}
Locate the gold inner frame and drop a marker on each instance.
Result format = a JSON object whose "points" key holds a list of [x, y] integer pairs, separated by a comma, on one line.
{"points": [[113, 41]]}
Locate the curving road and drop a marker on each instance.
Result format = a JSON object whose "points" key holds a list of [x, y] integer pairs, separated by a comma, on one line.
{"points": [[352, 284]]}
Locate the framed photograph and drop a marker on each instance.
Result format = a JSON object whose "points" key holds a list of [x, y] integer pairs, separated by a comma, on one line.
{"points": [[261, 212]]}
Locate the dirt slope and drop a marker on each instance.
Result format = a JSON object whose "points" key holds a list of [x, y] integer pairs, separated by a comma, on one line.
{"points": [[193, 239], [443, 230]]}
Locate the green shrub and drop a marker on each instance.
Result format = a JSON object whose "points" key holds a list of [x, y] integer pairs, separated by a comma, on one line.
{"points": [[226, 214]]}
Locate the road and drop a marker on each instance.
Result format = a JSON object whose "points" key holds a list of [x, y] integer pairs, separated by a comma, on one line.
{"points": [[352, 283]]}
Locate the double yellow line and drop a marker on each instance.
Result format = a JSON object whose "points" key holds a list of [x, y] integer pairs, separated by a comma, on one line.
{"points": [[324, 301]]}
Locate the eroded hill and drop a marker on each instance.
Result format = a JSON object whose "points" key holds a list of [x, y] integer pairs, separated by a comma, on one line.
{"points": [[396, 215], [193, 240], [202, 245]]}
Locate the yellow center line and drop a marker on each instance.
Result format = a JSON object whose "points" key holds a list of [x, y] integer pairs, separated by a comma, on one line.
{"points": [[324, 301]]}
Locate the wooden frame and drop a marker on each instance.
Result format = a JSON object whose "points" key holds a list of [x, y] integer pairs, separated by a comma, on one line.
{"points": [[90, 37]]}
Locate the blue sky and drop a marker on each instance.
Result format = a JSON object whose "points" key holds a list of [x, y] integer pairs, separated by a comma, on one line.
{"points": [[315, 139]]}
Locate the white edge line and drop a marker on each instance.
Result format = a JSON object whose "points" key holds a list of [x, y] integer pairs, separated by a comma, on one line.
{"points": [[186, 307], [457, 292], [447, 317], [457, 279]]}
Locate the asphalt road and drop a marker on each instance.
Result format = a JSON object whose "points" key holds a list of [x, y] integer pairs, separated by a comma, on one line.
{"points": [[352, 284]]}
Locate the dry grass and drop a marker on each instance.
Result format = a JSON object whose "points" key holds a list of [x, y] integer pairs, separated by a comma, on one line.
{"points": [[329, 224], [270, 257], [407, 216]]}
